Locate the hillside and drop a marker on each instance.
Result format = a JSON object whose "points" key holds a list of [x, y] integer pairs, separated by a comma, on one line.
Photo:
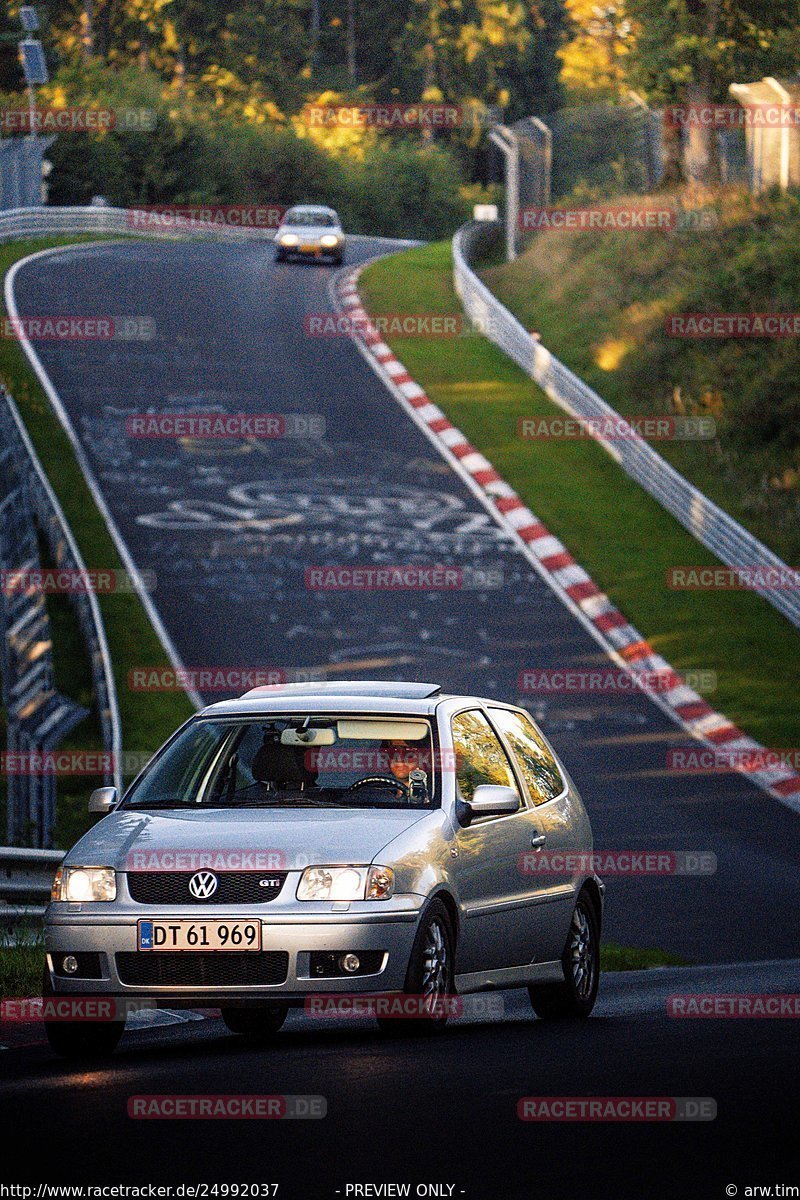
{"points": [[601, 301]]}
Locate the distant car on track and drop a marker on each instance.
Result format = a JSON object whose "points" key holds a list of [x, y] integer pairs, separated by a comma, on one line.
{"points": [[310, 231], [411, 843]]}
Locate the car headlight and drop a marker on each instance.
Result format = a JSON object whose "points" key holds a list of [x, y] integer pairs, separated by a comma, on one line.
{"points": [[289, 239], [346, 883], [329, 239], [84, 884]]}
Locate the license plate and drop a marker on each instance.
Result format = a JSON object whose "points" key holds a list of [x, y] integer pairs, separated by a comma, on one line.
{"points": [[309, 249], [199, 935]]}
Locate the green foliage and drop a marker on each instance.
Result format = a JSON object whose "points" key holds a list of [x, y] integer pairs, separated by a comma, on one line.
{"points": [[601, 300], [199, 154], [709, 44]]}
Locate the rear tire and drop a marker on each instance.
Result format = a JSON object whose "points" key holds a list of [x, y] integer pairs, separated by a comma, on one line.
{"points": [[280, 256], [430, 974], [575, 998], [258, 1024], [80, 1039]]}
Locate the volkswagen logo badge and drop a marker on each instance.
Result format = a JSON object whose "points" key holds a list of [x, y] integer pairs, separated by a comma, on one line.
{"points": [[203, 884]]}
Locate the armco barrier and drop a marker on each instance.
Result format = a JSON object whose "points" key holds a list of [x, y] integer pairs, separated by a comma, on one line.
{"points": [[26, 877], [53, 222], [23, 223], [712, 527]]}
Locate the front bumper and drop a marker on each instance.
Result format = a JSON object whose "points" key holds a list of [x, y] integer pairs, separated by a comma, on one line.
{"points": [[312, 250], [294, 933]]}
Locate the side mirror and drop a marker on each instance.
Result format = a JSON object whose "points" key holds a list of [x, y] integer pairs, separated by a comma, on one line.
{"points": [[102, 800], [489, 800]]}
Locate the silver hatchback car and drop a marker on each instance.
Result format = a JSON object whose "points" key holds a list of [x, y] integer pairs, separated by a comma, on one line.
{"points": [[312, 841], [310, 231]]}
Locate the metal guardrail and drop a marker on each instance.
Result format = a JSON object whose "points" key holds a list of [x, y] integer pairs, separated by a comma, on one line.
{"points": [[49, 516], [709, 524], [22, 223], [26, 877], [132, 222]]}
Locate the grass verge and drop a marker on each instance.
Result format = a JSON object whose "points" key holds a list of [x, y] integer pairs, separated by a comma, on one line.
{"points": [[632, 958], [623, 538], [602, 302], [21, 964], [147, 719]]}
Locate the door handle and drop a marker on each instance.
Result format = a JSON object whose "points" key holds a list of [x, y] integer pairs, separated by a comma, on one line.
{"points": [[538, 839]]}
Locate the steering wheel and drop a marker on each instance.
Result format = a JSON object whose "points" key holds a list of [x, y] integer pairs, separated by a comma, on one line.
{"points": [[397, 785]]}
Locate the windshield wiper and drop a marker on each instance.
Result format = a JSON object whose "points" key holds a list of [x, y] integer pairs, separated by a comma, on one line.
{"points": [[168, 802], [290, 803]]}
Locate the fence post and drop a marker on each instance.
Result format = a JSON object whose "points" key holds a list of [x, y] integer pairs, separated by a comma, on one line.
{"points": [[506, 141]]}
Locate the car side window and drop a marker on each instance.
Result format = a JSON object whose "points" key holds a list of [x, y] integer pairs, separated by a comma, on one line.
{"points": [[479, 756], [540, 769]]}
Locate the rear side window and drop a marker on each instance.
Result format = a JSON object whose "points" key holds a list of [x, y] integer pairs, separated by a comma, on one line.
{"points": [[480, 758], [537, 764]]}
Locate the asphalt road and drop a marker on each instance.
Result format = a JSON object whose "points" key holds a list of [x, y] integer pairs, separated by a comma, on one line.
{"points": [[440, 1110], [228, 530]]}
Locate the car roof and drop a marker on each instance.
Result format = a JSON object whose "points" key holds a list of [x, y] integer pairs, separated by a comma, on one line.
{"points": [[303, 208], [343, 696]]}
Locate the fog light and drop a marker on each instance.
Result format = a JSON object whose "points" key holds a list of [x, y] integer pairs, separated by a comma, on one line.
{"points": [[69, 964], [350, 963]]}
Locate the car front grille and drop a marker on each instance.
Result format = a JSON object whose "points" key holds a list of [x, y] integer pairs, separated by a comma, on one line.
{"points": [[222, 968], [233, 887]]}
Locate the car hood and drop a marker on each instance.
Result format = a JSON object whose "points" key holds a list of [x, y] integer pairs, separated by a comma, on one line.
{"points": [[145, 840], [310, 232]]}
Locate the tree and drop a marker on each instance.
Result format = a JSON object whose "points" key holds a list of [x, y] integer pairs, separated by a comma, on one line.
{"points": [[594, 58], [690, 51]]}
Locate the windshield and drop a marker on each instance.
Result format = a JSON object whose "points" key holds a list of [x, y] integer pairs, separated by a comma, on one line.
{"points": [[293, 762], [309, 216]]}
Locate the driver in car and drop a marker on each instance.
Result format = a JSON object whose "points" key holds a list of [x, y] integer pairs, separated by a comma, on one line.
{"points": [[407, 762]]}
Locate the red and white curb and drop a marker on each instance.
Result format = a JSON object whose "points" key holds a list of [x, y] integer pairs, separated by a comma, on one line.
{"points": [[621, 641]]}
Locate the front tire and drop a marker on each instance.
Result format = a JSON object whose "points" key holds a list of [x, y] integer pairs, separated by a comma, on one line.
{"points": [[259, 1024], [575, 997], [430, 975], [80, 1039]]}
